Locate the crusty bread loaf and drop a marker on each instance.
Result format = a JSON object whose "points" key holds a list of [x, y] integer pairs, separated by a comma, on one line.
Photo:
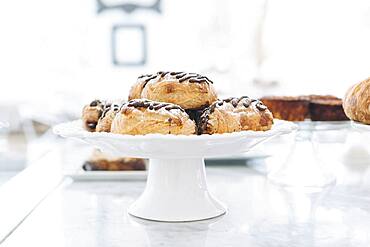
{"points": [[356, 103]]}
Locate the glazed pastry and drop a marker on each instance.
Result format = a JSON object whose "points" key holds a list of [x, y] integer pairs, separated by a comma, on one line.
{"points": [[102, 162], [106, 119], [288, 107], [91, 114], [137, 88], [188, 90], [141, 116], [235, 114], [356, 103], [326, 108]]}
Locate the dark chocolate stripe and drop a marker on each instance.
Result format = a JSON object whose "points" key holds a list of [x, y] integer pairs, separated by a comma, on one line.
{"points": [[95, 103], [109, 107], [181, 76], [189, 76], [152, 105], [163, 73], [150, 77], [235, 102], [142, 76], [260, 106], [177, 73]]}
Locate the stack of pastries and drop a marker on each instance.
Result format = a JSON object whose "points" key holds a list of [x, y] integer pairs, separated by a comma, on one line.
{"points": [[178, 103]]}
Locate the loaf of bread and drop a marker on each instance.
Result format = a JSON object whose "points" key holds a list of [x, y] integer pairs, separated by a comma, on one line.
{"points": [[356, 103]]}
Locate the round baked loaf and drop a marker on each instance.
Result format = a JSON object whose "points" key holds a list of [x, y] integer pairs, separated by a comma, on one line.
{"points": [[106, 119], [91, 114], [188, 90], [356, 103], [235, 114], [141, 116]]}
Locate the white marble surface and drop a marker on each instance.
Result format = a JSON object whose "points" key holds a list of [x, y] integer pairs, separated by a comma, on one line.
{"points": [[21, 194], [259, 214], [5, 176]]}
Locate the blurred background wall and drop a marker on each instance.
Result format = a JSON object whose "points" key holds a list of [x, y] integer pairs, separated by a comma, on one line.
{"points": [[79, 50]]}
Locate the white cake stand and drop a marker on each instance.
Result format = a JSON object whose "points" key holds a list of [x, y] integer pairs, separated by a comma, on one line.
{"points": [[360, 126], [176, 189]]}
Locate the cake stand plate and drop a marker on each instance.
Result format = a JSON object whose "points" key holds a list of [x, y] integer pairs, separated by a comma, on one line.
{"points": [[360, 126], [176, 189]]}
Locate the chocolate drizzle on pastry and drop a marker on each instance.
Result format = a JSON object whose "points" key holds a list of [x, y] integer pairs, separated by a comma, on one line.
{"points": [[95, 103], [235, 101], [260, 106], [152, 105], [108, 107], [181, 76], [203, 120], [104, 107], [142, 76]]}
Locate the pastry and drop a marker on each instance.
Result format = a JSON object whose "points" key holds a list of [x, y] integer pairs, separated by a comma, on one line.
{"points": [[106, 119], [102, 162], [235, 114], [188, 90], [288, 107], [326, 108], [141, 116], [357, 102], [137, 88], [91, 114]]}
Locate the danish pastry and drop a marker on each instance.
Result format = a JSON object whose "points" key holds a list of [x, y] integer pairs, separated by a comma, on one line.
{"points": [[91, 114], [235, 114], [106, 118], [356, 103], [141, 116], [137, 88], [188, 90]]}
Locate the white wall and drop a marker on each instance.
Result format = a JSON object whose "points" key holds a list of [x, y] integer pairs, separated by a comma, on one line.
{"points": [[64, 46]]}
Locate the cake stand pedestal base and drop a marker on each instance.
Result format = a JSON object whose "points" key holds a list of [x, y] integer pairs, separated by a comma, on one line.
{"points": [[176, 191]]}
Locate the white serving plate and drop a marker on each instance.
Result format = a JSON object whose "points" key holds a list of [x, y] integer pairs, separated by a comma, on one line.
{"points": [[176, 189], [82, 175]]}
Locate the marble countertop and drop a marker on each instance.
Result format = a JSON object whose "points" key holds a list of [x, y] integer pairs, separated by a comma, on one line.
{"points": [[259, 214]]}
